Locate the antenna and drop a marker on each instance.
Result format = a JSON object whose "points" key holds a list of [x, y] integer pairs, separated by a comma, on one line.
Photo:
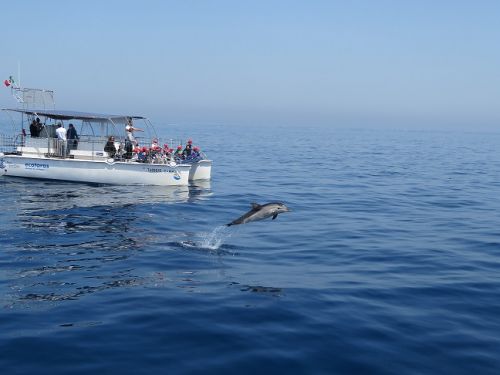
{"points": [[19, 73]]}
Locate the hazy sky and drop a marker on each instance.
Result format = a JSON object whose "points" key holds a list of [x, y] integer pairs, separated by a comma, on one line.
{"points": [[372, 62]]}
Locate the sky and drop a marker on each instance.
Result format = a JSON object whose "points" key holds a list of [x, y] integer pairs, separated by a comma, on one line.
{"points": [[431, 64]]}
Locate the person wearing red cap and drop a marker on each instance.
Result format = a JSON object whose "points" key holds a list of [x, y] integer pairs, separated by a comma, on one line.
{"points": [[178, 153], [195, 155], [167, 152], [142, 156], [154, 145]]}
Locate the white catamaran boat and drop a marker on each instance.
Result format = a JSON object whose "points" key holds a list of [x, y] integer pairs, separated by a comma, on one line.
{"points": [[39, 153]]}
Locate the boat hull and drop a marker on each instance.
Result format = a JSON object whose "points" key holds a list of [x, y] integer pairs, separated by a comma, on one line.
{"points": [[201, 170], [95, 171]]}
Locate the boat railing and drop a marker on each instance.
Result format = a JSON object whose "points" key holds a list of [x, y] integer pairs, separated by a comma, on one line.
{"points": [[46, 146], [9, 143], [89, 148]]}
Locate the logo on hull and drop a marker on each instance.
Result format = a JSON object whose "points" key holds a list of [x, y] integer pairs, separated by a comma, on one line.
{"points": [[36, 166]]}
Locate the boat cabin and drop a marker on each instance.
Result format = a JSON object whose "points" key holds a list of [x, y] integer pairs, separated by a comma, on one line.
{"points": [[93, 132]]}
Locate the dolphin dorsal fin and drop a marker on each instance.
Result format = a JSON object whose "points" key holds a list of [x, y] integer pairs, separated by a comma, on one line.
{"points": [[255, 206]]}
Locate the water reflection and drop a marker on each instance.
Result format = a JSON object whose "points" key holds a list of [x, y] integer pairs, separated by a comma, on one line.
{"points": [[51, 195], [71, 240], [77, 292], [199, 190]]}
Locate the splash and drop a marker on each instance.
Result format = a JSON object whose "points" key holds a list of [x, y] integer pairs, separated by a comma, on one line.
{"points": [[209, 241], [215, 239]]}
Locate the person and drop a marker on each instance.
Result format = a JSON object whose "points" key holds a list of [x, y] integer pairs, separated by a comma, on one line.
{"points": [[195, 155], [130, 129], [154, 144], [167, 151], [178, 154], [188, 149], [39, 126], [73, 137], [61, 138], [33, 129], [110, 148], [128, 149], [142, 156], [130, 141]]}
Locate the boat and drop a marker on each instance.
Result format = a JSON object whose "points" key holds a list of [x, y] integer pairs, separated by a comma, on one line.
{"points": [[42, 155]]}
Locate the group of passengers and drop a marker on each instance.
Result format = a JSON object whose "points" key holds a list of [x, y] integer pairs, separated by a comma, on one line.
{"points": [[69, 136], [67, 140], [153, 154], [188, 153]]}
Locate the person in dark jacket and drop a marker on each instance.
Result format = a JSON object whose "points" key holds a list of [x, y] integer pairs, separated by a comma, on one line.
{"points": [[33, 129], [72, 137], [188, 149], [110, 147]]}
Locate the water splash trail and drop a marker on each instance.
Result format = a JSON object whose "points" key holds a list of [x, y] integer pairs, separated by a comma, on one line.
{"points": [[212, 240], [215, 239]]}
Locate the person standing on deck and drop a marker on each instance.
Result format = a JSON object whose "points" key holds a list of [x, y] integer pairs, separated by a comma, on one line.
{"points": [[130, 142], [61, 139], [130, 129], [39, 126], [33, 129], [72, 137]]}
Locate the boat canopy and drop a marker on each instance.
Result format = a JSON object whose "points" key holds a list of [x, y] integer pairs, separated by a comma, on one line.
{"points": [[72, 115]]}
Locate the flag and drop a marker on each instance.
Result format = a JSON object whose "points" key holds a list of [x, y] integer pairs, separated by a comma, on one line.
{"points": [[9, 82]]}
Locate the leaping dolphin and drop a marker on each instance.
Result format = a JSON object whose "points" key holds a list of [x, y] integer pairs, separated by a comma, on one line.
{"points": [[260, 212]]}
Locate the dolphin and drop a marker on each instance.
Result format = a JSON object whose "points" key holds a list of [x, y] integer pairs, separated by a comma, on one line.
{"points": [[259, 212]]}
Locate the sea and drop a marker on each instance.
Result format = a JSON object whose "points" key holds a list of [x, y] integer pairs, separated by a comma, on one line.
{"points": [[388, 263]]}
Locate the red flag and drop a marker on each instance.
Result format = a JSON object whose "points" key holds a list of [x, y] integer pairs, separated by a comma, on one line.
{"points": [[6, 83]]}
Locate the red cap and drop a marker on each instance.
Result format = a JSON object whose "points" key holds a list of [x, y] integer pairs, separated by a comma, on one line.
{"points": [[165, 146], [179, 147], [190, 141], [196, 148]]}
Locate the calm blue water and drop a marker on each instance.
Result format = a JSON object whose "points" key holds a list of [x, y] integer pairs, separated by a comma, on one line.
{"points": [[388, 264]]}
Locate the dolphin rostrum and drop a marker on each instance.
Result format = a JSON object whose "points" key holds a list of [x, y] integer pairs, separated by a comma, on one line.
{"points": [[259, 212]]}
